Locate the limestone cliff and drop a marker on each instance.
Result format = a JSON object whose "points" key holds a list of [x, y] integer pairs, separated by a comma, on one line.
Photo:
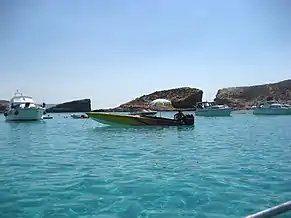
{"points": [[253, 95], [83, 105], [184, 97]]}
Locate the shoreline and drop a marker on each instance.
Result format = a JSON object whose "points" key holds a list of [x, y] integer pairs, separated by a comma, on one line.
{"points": [[125, 111], [185, 99]]}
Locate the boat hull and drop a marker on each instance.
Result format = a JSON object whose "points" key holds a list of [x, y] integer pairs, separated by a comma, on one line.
{"points": [[223, 112], [272, 111], [47, 118], [24, 114], [133, 120]]}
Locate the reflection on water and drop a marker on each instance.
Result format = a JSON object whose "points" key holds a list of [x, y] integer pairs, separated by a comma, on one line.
{"points": [[62, 168]]}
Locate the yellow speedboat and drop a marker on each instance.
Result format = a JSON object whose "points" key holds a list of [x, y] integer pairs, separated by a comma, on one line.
{"points": [[137, 120]]}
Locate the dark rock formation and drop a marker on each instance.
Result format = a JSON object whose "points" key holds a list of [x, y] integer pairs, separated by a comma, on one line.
{"points": [[187, 98], [3, 105], [180, 97], [83, 105], [244, 97]]}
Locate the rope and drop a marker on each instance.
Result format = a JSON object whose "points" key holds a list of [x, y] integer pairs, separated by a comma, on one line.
{"points": [[85, 122], [273, 211]]}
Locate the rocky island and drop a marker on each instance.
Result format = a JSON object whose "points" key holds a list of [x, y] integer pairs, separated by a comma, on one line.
{"points": [[184, 97], [246, 96], [83, 105]]}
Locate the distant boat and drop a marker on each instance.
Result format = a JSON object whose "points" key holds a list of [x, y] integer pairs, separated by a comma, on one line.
{"points": [[23, 108], [48, 117], [272, 108], [79, 116], [210, 109]]}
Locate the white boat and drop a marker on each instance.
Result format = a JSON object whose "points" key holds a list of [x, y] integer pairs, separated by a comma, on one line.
{"points": [[23, 108], [144, 112], [210, 109], [272, 108]]}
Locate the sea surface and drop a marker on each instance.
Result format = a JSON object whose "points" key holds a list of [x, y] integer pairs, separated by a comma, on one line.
{"points": [[226, 167]]}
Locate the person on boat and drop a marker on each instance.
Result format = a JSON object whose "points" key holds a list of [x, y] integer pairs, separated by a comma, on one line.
{"points": [[179, 115]]}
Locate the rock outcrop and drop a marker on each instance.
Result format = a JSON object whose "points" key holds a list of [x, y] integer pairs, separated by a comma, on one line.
{"points": [[83, 105], [3, 105], [246, 96], [184, 97]]}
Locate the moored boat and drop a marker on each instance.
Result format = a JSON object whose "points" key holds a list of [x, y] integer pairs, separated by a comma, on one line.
{"points": [[48, 117], [79, 116], [210, 109], [23, 108], [137, 120], [272, 108]]}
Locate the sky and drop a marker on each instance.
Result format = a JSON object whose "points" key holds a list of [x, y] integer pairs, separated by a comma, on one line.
{"points": [[113, 51]]}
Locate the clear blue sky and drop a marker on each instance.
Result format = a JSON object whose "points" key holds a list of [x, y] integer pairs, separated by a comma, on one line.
{"points": [[115, 50]]}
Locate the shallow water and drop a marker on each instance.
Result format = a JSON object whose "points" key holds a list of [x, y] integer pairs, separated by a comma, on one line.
{"points": [[222, 167]]}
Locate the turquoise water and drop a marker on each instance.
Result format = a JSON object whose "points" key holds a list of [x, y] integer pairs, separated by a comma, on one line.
{"points": [[223, 167]]}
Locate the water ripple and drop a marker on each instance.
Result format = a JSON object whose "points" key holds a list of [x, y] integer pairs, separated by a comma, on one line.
{"points": [[222, 167]]}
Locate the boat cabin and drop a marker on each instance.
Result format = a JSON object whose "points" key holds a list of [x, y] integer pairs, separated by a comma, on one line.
{"points": [[210, 106], [202, 105], [206, 104], [19, 100], [273, 104]]}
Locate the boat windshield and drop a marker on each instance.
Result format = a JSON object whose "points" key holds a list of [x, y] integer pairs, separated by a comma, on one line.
{"points": [[276, 106]]}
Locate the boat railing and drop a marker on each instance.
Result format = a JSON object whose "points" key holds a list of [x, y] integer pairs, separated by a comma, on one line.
{"points": [[273, 211], [18, 93]]}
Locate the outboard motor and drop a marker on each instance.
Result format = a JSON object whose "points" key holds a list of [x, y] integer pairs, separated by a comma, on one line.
{"points": [[188, 119]]}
